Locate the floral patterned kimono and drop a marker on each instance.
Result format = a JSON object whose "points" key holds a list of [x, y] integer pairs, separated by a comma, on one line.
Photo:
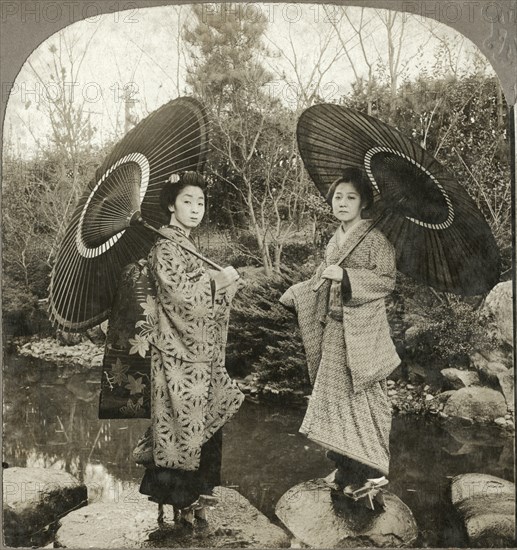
{"points": [[192, 395], [349, 349]]}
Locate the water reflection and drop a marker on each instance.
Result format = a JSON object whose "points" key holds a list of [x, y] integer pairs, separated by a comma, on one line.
{"points": [[50, 421]]}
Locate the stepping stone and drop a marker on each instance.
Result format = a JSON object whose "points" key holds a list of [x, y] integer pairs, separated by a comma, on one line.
{"points": [[34, 498], [132, 523], [486, 505], [318, 520]]}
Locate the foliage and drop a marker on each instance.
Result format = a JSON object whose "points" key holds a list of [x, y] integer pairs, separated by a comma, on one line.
{"points": [[298, 254], [263, 336], [255, 166], [18, 305], [259, 190], [246, 250], [440, 330], [37, 205], [39, 194], [462, 120]]}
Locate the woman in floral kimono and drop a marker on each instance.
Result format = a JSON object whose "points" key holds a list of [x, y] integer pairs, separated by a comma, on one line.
{"points": [[192, 394], [348, 346]]}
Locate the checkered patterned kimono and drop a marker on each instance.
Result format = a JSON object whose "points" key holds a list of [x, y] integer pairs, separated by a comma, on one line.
{"points": [[349, 349], [192, 395]]}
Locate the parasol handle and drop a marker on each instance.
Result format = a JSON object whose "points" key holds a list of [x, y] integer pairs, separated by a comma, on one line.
{"points": [[318, 285], [136, 218]]}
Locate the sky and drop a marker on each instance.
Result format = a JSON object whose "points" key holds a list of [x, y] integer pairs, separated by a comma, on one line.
{"points": [[140, 53]]}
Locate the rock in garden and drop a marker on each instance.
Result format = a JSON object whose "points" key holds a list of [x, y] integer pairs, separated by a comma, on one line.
{"points": [[412, 333], [506, 383], [487, 506], [497, 356], [131, 523], [96, 361], [487, 370], [69, 338], [477, 403], [417, 374], [498, 377], [97, 334], [466, 438], [499, 303], [313, 516], [33, 499], [456, 379], [413, 319], [478, 361], [494, 368], [444, 396]]}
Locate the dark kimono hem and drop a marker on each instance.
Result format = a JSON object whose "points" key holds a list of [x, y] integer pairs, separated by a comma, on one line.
{"points": [[357, 458], [181, 488]]}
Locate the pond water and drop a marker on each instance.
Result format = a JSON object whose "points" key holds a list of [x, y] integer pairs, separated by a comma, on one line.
{"points": [[50, 420]]}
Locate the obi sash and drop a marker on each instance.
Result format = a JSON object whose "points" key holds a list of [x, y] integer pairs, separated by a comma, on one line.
{"points": [[126, 367]]}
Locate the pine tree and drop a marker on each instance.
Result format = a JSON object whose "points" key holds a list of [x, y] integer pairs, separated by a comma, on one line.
{"points": [[255, 165], [263, 335]]}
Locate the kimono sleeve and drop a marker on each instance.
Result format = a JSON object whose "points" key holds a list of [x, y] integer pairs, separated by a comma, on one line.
{"points": [[222, 299], [178, 290], [291, 297], [362, 285], [288, 300], [311, 309]]}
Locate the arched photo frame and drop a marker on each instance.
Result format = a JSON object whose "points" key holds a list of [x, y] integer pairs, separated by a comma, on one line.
{"points": [[489, 25]]}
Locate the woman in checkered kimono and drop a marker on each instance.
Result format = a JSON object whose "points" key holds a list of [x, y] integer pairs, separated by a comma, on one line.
{"points": [[347, 342]]}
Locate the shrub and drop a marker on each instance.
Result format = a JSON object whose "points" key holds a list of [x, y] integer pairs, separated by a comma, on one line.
{"points": [[296, 254], [263, 335], [18, 306], [445, 331]]}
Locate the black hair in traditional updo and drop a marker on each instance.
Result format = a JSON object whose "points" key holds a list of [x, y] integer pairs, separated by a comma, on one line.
{"points": [[175, 184], [358, 178]]}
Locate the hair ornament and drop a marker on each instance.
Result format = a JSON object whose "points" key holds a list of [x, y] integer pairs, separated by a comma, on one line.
{"points": [[174, 178]]}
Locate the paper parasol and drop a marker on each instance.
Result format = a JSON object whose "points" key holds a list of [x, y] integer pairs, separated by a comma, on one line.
{"points": [[104, 234], [440, 236]]}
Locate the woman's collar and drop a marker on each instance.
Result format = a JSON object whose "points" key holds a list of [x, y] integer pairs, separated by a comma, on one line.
{"points": [[356, 230], [361, 224], [179, 233], [178, 229]]}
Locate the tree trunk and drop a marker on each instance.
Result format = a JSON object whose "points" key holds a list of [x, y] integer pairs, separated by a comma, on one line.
{"points": [[278, 256], [261, 241], [264, 250]]}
